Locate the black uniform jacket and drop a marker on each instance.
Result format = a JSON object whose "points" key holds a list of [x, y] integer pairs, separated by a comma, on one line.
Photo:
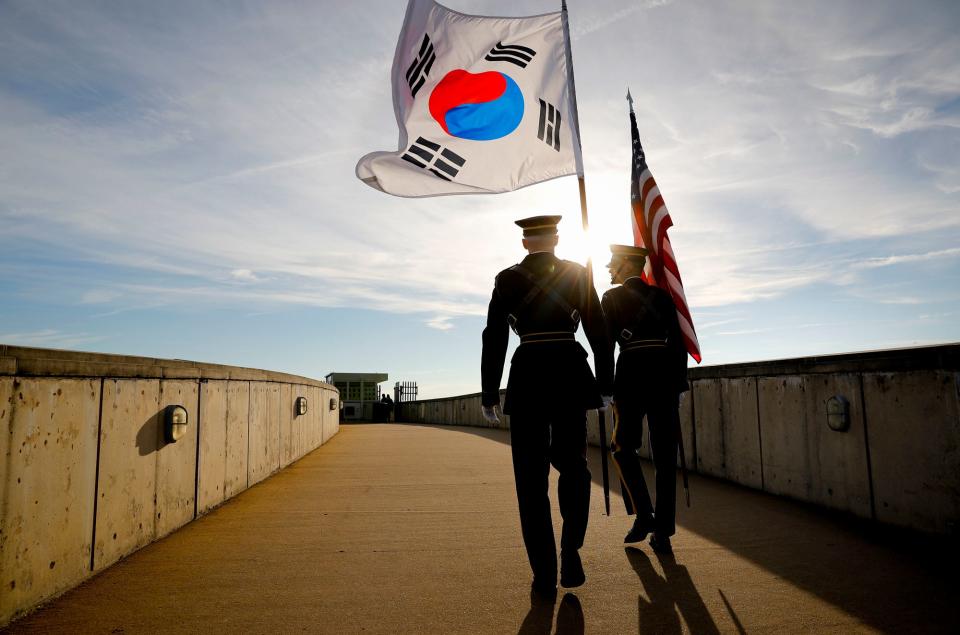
{"points": [[645, 371], [552, 374]]}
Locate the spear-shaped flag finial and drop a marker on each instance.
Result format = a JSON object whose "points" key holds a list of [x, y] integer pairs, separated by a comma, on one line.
{"points": [[630, 99]]}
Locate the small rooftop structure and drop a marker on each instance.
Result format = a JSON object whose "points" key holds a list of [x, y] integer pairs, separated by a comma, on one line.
{"points": [[370, 378], [358, 393]]}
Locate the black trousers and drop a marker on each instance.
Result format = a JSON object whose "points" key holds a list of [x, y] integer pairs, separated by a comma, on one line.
{"points": [[663, 417], [539, 440]]}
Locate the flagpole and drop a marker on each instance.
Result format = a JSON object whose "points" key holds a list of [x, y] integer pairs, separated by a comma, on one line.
{"points": [[584, 219], [578, 154]]}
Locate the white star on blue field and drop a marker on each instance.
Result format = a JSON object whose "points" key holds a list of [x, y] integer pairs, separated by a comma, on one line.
{"points": [[177, 180]]}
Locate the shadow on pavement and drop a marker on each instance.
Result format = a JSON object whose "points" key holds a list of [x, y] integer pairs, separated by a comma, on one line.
{"points": [[888, 578], [675, 591], [539, 619]]}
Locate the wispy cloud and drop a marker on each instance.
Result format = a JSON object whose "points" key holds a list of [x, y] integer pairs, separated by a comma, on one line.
{"points": [[99, 296], [440, 322], [872, 263], [705, 325], [50, 338], [595, 21], [300, 295], [244, 275]]}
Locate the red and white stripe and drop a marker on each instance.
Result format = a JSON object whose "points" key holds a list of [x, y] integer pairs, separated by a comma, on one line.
{"points": [[651, 220]]}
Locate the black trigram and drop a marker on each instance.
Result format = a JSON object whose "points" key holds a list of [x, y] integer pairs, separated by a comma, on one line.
{"points": [[549, 130], [420, 67], [513, 53], [429, 156]]}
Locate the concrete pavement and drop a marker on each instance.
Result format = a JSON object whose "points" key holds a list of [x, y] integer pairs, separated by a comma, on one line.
{"points": [[414, 529]]}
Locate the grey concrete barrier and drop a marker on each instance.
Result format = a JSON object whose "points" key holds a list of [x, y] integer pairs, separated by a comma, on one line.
{"points": [[766, 425], [87, 477]]}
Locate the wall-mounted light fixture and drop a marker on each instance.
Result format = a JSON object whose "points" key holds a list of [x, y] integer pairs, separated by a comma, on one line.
{"points": [[333, 403], [838, 413], [174, 423], [301, 406]]}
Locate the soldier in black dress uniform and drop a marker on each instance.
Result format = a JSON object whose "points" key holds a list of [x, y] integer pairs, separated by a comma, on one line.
{"points": [[549, 389], [651, 374]]}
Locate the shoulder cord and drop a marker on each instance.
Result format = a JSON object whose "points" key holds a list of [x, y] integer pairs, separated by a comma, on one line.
{"points": [[627, 334], [535, 290]]}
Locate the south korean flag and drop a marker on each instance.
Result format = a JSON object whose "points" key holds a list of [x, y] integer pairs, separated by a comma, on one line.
{"points": [[483, 104]]}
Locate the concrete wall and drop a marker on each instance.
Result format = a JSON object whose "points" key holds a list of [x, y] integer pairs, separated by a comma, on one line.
{"points": [[86, 477], [802, 457], [914, 445], [46, 512], [764, 425]]}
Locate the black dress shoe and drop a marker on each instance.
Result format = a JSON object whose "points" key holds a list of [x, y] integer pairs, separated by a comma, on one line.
{"points": [[638, 533], [571, 569], [661, 544]]}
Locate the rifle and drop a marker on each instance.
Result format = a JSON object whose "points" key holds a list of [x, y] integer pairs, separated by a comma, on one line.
{"points": [[683, 458], [603, 460]]}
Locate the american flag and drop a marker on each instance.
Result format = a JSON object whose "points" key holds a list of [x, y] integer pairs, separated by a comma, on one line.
{"points": [[651, 220]]}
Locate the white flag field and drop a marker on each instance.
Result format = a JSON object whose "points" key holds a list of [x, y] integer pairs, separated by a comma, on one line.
{"points": [[483, 104]]}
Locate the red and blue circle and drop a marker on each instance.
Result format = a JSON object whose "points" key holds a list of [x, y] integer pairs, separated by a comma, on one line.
{"points": [[481, 106]]}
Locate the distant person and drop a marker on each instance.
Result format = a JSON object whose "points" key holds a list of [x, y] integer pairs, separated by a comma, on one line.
{"points": [[651, 375], [544, 300], [387, 405]]}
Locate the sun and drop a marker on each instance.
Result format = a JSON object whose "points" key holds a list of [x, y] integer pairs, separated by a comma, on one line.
{"points": [[606, 227], [577, 245], [610, 214]]}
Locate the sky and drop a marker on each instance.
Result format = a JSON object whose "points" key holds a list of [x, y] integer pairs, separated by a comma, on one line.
{"points": [[177, 180]]}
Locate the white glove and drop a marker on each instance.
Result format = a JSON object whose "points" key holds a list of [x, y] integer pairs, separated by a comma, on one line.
{"points": [[607, 402], [490, 414]]}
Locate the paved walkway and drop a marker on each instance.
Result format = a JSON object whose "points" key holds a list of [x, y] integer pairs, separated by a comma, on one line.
{"points": [[414, 529]]}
